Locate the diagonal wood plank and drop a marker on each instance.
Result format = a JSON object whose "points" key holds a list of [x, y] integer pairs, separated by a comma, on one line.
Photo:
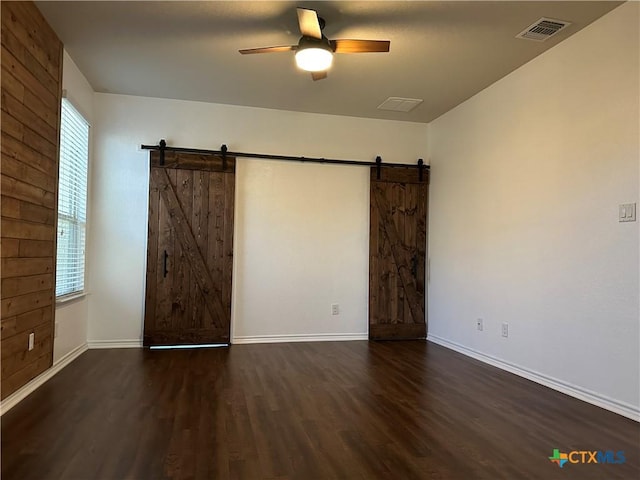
{"points": [[401, 258], [211, 294]]}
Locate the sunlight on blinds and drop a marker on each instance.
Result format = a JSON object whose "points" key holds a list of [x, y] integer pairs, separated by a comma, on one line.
{"points": [[72, 201]]}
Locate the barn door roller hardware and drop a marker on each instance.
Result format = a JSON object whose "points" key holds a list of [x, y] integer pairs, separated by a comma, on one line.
{"points": [[162, 147], [223, 149], [224, 153]]}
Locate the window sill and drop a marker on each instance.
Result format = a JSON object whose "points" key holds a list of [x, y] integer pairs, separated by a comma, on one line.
{"points": [[71, 298]]}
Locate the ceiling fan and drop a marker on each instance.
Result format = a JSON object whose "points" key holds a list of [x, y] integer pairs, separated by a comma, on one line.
{"points": [[314, 51]]}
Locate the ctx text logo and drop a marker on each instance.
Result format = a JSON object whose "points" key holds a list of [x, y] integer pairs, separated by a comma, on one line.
{"points": [[587, 456]]}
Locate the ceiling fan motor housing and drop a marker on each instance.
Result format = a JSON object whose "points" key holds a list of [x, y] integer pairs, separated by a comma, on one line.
{"points": [[310, 42]]}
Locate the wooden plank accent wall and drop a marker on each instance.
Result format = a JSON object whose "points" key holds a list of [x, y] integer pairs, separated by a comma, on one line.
{"points": [[31, 94]]}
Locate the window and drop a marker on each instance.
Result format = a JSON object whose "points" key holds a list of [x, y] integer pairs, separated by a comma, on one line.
{"points": [[72, 201]]}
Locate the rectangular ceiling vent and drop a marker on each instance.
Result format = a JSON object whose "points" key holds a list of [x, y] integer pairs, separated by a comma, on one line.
{"points": [[399, 104], [543, 29]]}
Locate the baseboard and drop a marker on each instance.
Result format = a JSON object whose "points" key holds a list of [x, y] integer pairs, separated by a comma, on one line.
{"points": [[602, 401], [23, 392], [314, 337], [94, 344], [329, 337]]}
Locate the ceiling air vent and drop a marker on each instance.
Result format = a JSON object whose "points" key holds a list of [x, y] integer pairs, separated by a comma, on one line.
{"points": [[399, 104], [543, 29]]}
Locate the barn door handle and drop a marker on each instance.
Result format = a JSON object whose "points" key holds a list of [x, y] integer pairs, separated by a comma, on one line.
{"points": [[166, 255], [414, 265]]}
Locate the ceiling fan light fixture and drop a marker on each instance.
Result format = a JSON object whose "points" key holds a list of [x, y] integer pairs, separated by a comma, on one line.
{"points": [[314, 59], [314, 52]]}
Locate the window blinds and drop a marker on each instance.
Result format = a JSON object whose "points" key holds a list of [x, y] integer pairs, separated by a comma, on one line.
{"points": [[72, 201]]}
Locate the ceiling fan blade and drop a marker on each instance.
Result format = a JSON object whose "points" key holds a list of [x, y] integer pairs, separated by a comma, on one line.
{"points": [[318, 75], [309, 23], [360, 46], [281, 48]]}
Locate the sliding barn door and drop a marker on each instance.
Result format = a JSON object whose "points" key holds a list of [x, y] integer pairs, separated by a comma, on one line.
{"points": [[397, 253], [190, 250]]}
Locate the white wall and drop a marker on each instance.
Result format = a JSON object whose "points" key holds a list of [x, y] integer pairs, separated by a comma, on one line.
{"points": [[71, 317], [527, 177], [302, 244], [301, 237]]}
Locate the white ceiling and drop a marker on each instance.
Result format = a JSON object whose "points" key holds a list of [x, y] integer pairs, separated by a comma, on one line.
{"points": [[442, 52]]}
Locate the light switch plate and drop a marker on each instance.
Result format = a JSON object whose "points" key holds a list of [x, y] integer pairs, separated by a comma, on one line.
{"points": [[627, 212]]}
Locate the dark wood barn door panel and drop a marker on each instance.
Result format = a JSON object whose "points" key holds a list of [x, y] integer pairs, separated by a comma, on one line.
{"points": [[189, 250], [397, 253]]}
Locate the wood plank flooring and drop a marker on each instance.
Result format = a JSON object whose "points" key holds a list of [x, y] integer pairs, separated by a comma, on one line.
{"points": [[344, 410]]}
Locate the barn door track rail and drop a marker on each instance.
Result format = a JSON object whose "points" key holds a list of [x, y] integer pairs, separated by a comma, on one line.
{"points": [[162, 147]]}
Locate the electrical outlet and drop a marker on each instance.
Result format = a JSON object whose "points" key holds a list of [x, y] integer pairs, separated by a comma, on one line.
{"points": [[480, 325], [32, 340], [505, 330], [335, 309]]}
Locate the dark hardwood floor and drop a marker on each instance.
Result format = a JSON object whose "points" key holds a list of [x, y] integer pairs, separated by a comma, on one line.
{"points": [[349, 410]]}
